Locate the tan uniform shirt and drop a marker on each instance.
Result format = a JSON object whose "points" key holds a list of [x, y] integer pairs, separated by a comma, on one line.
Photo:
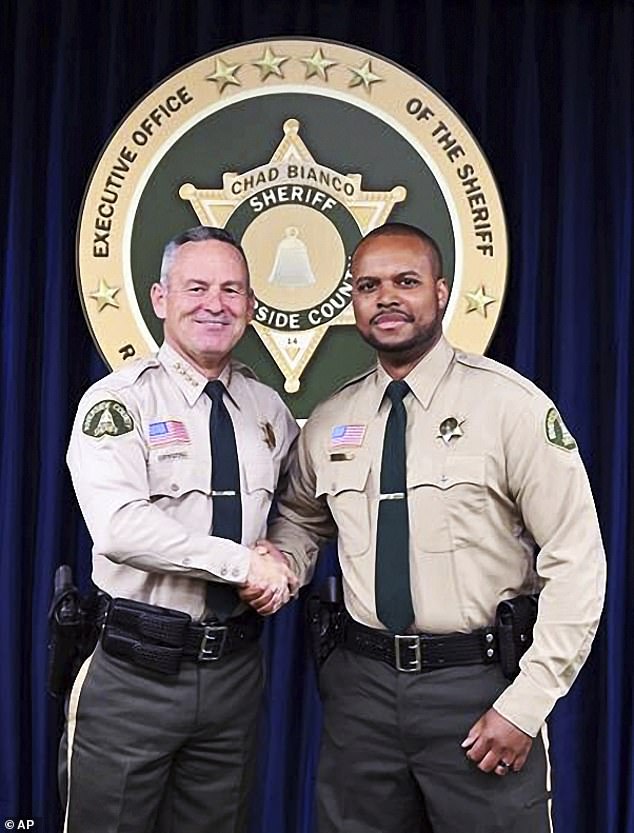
{"points": [[146, 493], [480, 498]]}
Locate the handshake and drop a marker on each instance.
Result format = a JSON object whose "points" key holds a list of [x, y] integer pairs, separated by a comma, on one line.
{"points": [[270, 581]]}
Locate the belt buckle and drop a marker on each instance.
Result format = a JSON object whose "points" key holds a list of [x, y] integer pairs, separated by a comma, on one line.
{"points": [[410, 643], [212, 643]]}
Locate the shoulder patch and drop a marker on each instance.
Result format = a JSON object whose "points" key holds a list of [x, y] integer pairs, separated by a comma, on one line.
{"points": [[556, 432], [107, 418]]}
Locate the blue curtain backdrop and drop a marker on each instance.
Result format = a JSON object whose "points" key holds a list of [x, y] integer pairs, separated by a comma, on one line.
{"points": [[547, 88]]}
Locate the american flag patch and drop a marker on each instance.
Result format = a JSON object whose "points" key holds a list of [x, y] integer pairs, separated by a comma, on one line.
{"points": [[350, 436], [166, 433]]}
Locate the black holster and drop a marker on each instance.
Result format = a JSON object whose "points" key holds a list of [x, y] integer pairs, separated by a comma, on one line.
{"points": [[325, 620], [514, 619], [74, 623]]}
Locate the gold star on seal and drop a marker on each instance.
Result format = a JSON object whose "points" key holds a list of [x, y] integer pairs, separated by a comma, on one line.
{"points": [[479, 301], [363, 75], [224, 74], [270, 64], [104, 295], [318, 65]]}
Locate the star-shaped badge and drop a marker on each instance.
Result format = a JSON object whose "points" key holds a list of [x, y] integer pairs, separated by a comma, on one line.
{"points": [[449, 428], [214, 207]]}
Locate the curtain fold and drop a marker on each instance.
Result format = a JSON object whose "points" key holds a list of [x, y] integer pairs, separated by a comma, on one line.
{"points": [[548, 90]]}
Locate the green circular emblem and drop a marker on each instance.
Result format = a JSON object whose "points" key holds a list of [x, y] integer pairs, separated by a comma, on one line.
{"points": [[299, 148]]}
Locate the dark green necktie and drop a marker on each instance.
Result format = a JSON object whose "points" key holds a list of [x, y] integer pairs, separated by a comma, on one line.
{"points": [[392, 583], [222, 599]]}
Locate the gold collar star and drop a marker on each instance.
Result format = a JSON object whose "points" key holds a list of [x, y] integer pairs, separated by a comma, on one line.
{"points": [[183, 371], [479, 301], [363, 75], [224, 74], [318, 65], [104, 295], [450, 428], [270, 64]]}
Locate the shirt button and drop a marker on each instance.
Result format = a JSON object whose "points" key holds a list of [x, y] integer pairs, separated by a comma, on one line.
{"points": [[174, 487], [223, 571], [235, 572], [186, 562], [443, 478]]}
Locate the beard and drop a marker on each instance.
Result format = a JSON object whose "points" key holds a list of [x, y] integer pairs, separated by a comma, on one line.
{"points": [[416, 345]]}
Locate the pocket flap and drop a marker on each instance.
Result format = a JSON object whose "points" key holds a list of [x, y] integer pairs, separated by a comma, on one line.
{"points": [[465, 470], [177, 478], [455, 470], [335, 477], [258, 474]]}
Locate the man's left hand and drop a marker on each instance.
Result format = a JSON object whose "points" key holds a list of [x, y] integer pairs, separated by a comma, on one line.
{"points": [[496, 745]]}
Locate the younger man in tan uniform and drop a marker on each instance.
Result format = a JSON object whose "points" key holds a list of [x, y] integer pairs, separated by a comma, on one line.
{"points": [[452, 484]]}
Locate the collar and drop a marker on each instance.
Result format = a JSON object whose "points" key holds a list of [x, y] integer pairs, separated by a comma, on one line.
{"points": [[423, 379], [191, 381]]}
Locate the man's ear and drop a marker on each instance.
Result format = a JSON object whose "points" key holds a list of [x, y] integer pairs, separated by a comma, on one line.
{"points": [[250, 306], [157, 296], [442, 292]]}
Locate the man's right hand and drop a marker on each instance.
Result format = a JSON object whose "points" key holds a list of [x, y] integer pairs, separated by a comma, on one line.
{"points": [[270, 581]]}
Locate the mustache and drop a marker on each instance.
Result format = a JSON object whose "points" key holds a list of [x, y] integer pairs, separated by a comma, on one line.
{"points": [[213, 319], [391, 312]]}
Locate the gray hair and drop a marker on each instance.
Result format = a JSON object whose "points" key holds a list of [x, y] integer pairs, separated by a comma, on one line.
{"points": [[197, 234]]}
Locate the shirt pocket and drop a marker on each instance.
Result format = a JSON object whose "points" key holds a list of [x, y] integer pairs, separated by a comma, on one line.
{"points": [[447, 500], [258, 477], [177, 478], [258, 481], [344, 484]]}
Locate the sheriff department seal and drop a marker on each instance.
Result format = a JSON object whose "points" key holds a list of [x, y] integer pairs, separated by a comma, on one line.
{"points": [[298, 148]]}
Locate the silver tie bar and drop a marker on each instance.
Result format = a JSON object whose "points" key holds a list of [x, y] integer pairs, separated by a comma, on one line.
{"points": [[393, 496]]}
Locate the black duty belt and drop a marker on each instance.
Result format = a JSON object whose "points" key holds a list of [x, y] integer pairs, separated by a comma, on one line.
{"points": [[159, 638], [422, 652]]}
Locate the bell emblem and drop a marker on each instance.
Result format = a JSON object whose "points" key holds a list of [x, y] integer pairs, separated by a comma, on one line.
{"points": [[292, 264]]}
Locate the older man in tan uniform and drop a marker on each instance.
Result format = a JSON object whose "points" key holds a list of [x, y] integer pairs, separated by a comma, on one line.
{"points": [[175, 460], [492, 501]]}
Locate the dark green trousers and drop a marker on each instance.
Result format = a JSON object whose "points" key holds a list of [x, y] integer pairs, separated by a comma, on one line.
{"points": [[391, 760], [147, 753]]}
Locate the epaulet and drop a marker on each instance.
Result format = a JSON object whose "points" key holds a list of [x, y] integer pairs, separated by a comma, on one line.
{"points": [[128, 374], [244, 370], [355, 379], [479, 362]]}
